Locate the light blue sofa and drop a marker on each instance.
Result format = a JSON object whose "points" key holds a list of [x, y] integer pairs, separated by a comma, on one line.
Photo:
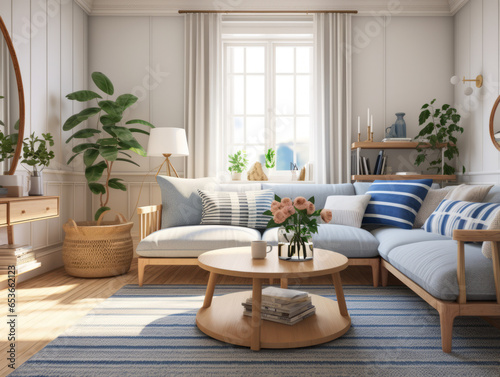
{"points": [[425, 262]]}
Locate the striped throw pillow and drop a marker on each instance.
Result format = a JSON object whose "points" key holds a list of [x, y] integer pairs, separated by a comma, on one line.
{"points": [[236, 208], [396, 203], [457, 214]]}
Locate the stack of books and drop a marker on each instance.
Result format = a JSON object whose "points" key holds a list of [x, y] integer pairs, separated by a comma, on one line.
{"points": [[21, 256], [285, 306]]}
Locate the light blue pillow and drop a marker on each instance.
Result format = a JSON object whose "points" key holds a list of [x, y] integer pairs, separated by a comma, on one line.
{"points": [[456, 214], [396, 203]]}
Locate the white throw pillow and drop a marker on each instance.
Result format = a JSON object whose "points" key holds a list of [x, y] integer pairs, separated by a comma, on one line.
{"points": [[347, 209], [432, 200]]}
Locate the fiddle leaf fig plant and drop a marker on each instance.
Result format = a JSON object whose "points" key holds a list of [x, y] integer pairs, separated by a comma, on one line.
{"points": [[440, 129], [35, 151], [111, 140]]}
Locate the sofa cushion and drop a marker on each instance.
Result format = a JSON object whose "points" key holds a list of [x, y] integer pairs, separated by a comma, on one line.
{"points": [[320, 191], [493, 195], [469, 193], [192, 241], [431, 202], [347, 209], [362, 187], [236, 208], [391, 237], [433, 266], [180, 200], [396, 203], [346, 240], [451, 215]]}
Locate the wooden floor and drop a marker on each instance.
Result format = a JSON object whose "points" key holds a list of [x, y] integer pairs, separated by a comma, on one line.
{"points": [[49, 304]]}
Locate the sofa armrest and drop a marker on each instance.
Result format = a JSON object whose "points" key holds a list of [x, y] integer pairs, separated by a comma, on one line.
{"points": [[462, 236], [149, 219], [476, 235]]}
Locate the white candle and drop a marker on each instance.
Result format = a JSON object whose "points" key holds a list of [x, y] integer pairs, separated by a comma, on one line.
{"points": [[359, 125], [368, 117]]}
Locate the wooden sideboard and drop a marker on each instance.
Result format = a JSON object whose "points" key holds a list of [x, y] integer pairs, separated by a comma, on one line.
{"points": [[26, 209]]}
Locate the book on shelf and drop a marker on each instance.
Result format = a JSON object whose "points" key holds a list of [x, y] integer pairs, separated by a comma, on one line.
{"points": [[24, 267], [9, 260], [384, 160], [378, 165], [397, 139], [280, 295], [280, 309], [284, 320], [366, 166], [14, 249], [408, 173]]}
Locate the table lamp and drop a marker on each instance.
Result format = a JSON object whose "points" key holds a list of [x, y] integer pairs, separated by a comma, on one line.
{"points": [[168, 142]]}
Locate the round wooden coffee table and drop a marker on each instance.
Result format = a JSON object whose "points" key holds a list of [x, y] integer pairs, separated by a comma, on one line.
{"points": [[222, 317]]}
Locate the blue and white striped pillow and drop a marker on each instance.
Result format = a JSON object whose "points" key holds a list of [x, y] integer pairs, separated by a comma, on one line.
{"points": [[396, 203], [236, 208], [456, 214]]}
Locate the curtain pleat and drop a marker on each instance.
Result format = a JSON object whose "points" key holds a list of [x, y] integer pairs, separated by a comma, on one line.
{"points": [[333, 97], [202, 75]]}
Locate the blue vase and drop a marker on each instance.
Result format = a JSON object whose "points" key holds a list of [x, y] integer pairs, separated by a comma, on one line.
{"points": [[400, 125]]}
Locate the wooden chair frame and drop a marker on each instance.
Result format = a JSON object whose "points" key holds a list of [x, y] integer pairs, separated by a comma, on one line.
{"points": [[448, 310], [150, 221]]}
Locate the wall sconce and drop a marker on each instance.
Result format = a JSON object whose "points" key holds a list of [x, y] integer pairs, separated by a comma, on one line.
{"points": [[468, 91]]}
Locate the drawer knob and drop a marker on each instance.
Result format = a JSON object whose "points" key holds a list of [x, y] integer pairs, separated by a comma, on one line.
{"points": [[48, 208], [23, 211]]}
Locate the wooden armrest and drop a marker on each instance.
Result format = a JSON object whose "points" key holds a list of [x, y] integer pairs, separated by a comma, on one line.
{"points": [[476, 235], [148, 209], [149, 219]]}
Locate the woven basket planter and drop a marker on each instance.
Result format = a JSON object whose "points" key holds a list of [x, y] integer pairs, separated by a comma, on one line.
{"points": [[95, 249]]}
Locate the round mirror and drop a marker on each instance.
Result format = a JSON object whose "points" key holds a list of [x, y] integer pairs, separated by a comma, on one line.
{"points": [[12, 103]]}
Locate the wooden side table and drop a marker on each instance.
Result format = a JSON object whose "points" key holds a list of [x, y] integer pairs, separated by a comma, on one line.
{"points": [[222, 317]]}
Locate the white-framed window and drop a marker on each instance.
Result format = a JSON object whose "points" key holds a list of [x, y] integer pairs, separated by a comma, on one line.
{"points": [[267, 97]]}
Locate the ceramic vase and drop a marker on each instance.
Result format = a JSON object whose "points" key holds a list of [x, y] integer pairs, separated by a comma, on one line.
{"points": [[295, 246], [36, 184]]}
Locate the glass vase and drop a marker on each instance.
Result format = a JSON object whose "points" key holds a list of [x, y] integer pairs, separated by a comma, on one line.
{"points": [[296, 246]]}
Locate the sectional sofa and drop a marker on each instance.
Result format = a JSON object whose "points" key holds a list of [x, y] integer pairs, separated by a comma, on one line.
{"points": [[452, 275]]}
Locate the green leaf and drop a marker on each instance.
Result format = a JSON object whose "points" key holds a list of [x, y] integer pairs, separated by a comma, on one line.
{"points": [[103, 83], [425, 106], [424, 115], [16, 125], [445, 107], [463, 169], [109, 130], [82, 116], [90, 156], [116, 184], [2, 123], [72, 158], [311, 199], [138, 121], [133, 146], [277, 198], [123, 133], [111, 108], [126, 100], [109, 153], [107, 141], [97, 188], [93, 173], [432, 102], [129, 161], [100, 211], [81, 147], [455, 118], [110, 120], [267, 213], [138, 130], [83, 95], [448, 170], [83, 134], [126, 154], [420, 159]]}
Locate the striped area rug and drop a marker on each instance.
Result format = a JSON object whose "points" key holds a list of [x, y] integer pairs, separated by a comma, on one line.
{"points": [[151, 331]]}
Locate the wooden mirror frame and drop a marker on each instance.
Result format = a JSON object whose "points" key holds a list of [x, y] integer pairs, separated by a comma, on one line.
{"points": [[492, 119], [20, 91]]}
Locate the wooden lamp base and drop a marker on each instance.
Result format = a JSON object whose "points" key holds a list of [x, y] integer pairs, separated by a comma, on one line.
{"points": [[169, 168]]}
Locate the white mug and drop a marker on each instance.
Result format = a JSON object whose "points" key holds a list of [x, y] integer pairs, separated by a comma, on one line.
{"points": [[260, 249]]}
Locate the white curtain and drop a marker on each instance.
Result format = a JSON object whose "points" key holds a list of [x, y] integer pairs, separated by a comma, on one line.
{"points": [[202, 87], [333, 97]]}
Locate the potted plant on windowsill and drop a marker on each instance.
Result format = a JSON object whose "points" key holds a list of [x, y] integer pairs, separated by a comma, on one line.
{"points": [[97, 248], [36, 154], [238, 164], [270, 162]]}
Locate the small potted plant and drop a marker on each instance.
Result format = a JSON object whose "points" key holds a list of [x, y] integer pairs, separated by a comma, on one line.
{"points": [[238, 163], [37, 156], [440, 129], [297, 222], [270, 161]]}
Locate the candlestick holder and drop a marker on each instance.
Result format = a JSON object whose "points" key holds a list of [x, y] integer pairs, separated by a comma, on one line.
{"points": [[359, 136], [369, 134]]}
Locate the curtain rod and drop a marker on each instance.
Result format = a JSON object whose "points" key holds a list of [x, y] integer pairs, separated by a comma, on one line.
{"points": [[269, 11]]}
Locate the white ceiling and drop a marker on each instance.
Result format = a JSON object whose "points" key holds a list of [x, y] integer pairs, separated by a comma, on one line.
{"points": [[364, 7]]}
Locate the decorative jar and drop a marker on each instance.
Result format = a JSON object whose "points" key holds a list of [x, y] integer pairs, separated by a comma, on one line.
{"points": [[295, 245]]}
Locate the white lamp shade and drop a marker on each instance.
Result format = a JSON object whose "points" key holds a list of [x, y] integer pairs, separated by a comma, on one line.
{"points": [[168, 140], [455, 80]]}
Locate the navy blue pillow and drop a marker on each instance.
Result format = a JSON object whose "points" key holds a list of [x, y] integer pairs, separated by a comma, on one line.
{"points": [[396, 203]]}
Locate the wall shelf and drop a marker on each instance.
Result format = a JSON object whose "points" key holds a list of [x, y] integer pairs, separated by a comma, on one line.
{"points": [[394, 177]]}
